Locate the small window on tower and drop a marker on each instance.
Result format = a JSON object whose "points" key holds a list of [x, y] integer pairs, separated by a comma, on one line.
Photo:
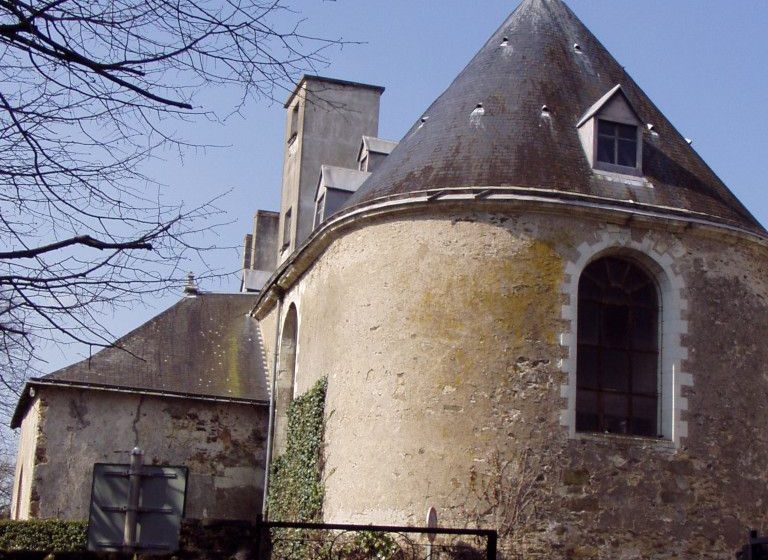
{"points": [[616, 143], [294, 124], [287, 229]]}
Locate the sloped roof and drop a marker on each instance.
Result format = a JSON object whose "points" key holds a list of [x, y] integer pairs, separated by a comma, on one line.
{"points": [[342, 178], [543, 55], [377, 145], [203, 346]]}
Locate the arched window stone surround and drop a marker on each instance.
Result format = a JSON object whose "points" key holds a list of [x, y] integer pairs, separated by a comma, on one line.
{"points": [[658, 257], [286, 376]]}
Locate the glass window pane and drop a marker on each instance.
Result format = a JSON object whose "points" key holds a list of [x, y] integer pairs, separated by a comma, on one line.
{"points": [[615, 413], [589, 322], [588, 288], [646, 295], [617, 271], [606, 127], [615, 370], [616, 326], [644, 372], [636, 279], [587, 367], [627, 153], [616, 296], [605, 149], [627, 131], [644, 416], [587, 419], [645, 331]]}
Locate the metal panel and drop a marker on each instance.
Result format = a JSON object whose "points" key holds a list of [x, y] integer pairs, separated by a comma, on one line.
{"points": [[161, 507]]}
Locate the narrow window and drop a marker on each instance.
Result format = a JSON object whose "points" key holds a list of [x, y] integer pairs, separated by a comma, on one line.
{"points": [[618, 349], [287, 229], [286, 378], [294, 124]]}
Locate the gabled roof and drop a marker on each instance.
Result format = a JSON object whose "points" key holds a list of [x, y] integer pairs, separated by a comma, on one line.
{"points": [[204, 346], [602, 102], [376, 145], [341, 178], [543, 55]]}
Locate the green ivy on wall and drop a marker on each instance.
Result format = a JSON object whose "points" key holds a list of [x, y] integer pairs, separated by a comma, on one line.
{"points": [[295, 479]]}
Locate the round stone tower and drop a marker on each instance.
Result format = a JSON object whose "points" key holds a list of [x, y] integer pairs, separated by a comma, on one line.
{"points": [[542, 314]]}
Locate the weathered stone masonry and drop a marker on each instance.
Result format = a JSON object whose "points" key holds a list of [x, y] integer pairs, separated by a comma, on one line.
{"points": [[454, 392]]}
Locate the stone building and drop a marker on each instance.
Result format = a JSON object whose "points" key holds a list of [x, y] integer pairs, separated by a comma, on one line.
{"points": [[540, 312], [187, 387]]}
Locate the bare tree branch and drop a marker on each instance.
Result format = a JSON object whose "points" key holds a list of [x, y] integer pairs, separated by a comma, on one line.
{"points": [[85, 240], [90, 91]]}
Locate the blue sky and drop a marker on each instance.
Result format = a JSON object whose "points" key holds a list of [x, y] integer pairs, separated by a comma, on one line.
{"points": [[703, 62]]}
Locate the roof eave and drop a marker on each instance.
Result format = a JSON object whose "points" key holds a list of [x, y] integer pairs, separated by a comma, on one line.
{"points": [[22, 406], [305, 255], [25, 400]]}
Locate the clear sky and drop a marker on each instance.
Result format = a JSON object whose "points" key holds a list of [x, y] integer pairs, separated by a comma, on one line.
{"points": [[703, 62]]}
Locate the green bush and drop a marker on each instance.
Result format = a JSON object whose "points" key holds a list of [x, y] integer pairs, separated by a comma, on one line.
{"points": [[51, 535]]}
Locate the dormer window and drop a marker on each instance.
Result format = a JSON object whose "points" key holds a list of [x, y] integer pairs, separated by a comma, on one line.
{"points": [[616, 143], [611, 136]]}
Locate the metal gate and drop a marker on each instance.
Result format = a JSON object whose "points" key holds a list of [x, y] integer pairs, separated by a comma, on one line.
{"points": [[318, 541]]}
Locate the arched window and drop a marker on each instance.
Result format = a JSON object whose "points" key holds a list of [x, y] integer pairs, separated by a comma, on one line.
{"points": [[286, 378], [618, 349]]}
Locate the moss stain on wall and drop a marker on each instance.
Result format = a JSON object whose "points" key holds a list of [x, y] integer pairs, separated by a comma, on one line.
{"points": [[513, 298]]}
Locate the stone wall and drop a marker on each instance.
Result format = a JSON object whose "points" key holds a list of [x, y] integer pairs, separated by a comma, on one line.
{"points": [[222, 444], [445, 341], [24, 502]]}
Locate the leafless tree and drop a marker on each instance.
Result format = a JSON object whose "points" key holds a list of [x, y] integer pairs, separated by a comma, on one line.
{"points": [[7, 468], [89, 90]]}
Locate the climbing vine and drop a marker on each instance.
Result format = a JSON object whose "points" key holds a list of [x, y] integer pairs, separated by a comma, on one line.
{"points": [[295, 480]]}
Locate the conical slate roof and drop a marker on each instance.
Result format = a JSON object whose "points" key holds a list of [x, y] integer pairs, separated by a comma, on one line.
{"points": [[543, 55]]}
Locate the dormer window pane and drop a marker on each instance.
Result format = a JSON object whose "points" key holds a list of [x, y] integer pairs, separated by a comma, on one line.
{"points": [[605, 149], [627, 152], [627, 131], [617, 143]]}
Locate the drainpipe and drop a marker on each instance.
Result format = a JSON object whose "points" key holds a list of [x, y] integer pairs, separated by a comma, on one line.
{"points": [[272, 403]]}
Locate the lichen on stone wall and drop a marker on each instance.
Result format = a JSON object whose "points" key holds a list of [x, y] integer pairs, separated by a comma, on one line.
{"points": [[514, 294]]}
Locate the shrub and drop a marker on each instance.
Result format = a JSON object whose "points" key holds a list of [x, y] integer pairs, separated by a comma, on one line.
{"points": [[51, 535]]}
